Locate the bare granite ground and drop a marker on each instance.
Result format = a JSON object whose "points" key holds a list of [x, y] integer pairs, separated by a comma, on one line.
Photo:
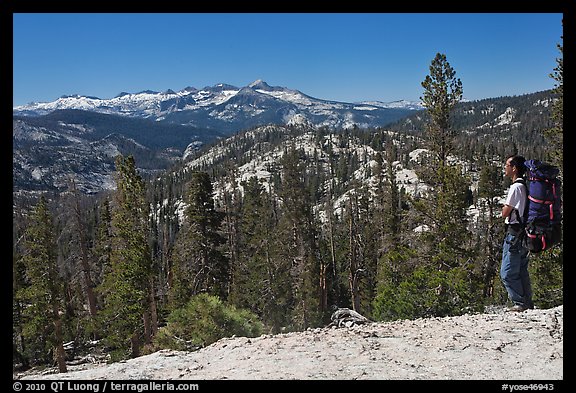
{"points": [[489, 346]]}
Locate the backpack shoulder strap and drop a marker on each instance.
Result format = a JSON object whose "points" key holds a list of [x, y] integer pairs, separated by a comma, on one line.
{"points": [[520, 180], [524, 218]]}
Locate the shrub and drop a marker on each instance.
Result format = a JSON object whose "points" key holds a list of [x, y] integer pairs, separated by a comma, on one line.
{"points": [[204, 320], [428, 292]]}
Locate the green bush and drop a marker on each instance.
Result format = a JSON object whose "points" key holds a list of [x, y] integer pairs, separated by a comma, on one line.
{"points": [[204, 320], [546, 274], [427, 292]]}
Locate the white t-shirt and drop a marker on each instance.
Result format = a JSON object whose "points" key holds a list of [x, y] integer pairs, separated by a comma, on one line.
{"points": [[517, 199]]}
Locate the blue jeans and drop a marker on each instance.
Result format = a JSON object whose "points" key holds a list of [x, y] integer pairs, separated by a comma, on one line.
{"points": [[514, 271]]}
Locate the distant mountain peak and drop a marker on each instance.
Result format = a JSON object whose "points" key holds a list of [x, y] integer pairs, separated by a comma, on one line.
{"points": [[147, 92], [78, 97], [260, 84], [220, 87], [250, 91]]}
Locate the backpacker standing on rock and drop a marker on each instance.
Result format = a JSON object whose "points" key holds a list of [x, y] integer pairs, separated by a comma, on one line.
{"points": [[514, 268]]}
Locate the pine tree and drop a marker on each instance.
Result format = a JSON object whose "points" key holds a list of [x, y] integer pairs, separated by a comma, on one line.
{"points": [[102, 247], [490, 187], [330, 283], [126, 316], [164, 227], [442, 281], [299, 245], [43, 294], [555, 134], [364, 239], [231, 201], [445, 207], [354, 250], [389, 198], [392, 253], [199, 264], [80, 229], [250, 268], [19, 345], [442, 91], [260, 279]]}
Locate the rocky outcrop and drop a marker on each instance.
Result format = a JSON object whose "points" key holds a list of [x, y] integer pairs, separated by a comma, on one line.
{"points": [[490, 346]]}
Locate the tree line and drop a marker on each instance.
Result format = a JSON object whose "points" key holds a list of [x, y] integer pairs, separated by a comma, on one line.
{"points": [[136, 268]]}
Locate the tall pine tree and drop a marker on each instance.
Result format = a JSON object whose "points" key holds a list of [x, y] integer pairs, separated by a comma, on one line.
{"points": [[198, 262], [444, 208], [441, 280], [489, 188], [299, 242], [128, 296], [43, 294], [261, 280], [442, 91], [555, 135]]}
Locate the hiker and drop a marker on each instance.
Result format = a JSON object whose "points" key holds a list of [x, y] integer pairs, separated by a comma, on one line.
{"points": [[514, 268]]}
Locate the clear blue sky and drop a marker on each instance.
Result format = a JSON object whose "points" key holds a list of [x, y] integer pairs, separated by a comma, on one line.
{"points": [[338, 56]]}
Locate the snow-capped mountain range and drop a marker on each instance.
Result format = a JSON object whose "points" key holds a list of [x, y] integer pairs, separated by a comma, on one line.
{"points": [[229, 109], [53, 143]]}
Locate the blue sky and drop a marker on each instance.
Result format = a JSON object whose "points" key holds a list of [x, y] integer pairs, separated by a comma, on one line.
{"points": [[346, 57]]}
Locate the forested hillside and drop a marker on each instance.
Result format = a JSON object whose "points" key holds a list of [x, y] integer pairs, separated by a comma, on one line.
{"points": [[268, 230], [48, 150], [494, 124]]}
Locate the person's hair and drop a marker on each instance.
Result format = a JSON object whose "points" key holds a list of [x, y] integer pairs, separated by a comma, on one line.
{"points": [[518, 162]]}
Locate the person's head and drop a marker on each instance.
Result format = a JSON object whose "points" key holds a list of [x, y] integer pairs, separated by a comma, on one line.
{"points": [[514, 167]]}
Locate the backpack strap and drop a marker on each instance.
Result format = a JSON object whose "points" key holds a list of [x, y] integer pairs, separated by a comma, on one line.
{"points": [[521, 218]]}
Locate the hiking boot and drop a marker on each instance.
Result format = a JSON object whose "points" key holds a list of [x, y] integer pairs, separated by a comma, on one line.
{"points": [[517, 308]]}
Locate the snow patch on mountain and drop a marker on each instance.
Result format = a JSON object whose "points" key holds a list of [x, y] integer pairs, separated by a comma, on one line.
{"points": [[224, 106], [267, 162], [507, 117], [403, 104]]}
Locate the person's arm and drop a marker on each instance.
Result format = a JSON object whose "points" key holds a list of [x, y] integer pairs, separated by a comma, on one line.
{"points": [[506, 210], [511, 198]]}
